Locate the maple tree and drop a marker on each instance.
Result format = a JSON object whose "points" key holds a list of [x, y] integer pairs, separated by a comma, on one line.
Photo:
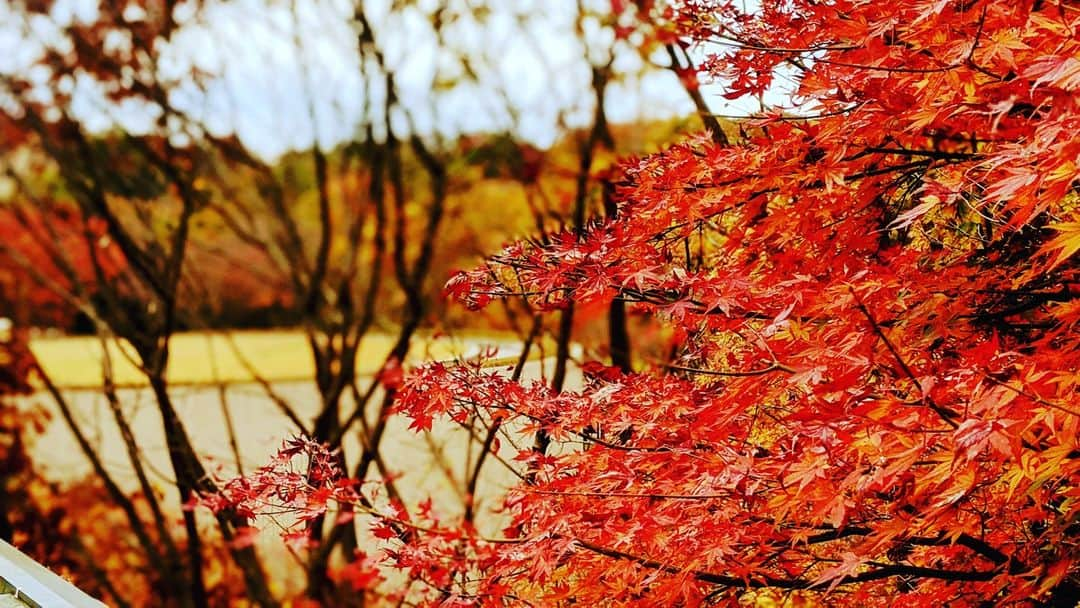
{"points": [[871, 299]]}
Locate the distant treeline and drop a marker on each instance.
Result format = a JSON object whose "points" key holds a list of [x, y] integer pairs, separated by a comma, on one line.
{"points": [[235, 274]]}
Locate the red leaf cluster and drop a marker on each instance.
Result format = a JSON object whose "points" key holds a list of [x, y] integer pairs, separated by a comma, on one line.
{"points": [[877, 378], [877, 326]]}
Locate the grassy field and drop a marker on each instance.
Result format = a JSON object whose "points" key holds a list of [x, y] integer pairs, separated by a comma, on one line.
{"points": [[208, 358]]}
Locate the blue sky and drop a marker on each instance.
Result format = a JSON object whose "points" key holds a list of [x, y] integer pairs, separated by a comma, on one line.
{"points": [[284, 73]]}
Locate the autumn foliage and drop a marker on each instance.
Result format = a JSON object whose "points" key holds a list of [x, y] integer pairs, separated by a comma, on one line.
{"points": [[872, 305], [46, 257]]}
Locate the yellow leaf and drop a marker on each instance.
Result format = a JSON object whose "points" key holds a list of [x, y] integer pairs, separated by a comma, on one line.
{"points": [[1066, 243]]}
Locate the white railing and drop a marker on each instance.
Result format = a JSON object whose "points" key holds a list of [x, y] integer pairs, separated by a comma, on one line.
{"points": [[35, 585]]}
